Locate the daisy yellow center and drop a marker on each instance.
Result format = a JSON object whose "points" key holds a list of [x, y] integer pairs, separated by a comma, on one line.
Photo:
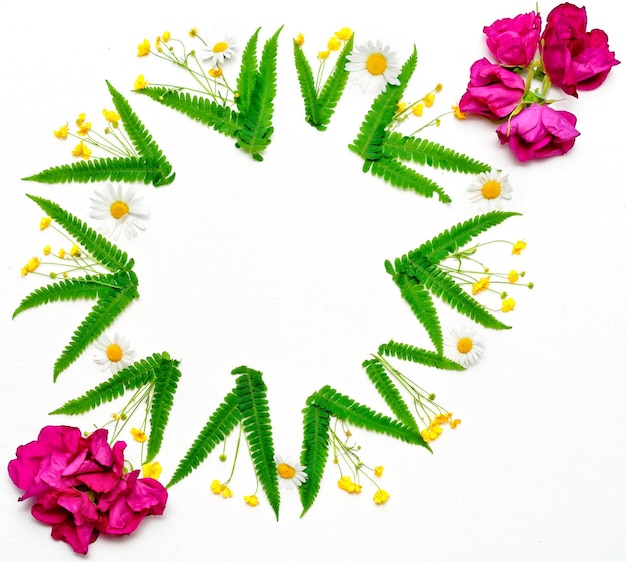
{"points": [[491, 189], [376, 64], [119, 209], [286, 471], [464, 345], [114, 353], [220, 47]]}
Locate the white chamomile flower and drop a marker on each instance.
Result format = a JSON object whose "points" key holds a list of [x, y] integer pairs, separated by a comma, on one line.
{"points": [[465, 346], [219, 52], [373, 66], [291, 473], [120, 210], [489, 189], [113, 354]]}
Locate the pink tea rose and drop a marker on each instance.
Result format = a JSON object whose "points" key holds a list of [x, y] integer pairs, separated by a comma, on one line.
{"points": [[573, 58], [493, 92], [514, 41], [80, 487], [539, 131]]}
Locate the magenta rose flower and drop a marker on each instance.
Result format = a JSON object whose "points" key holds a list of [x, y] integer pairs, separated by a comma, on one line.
{"points": [[573, 58], [80, 487], [493, 92], [514, 41], [539, 131]]}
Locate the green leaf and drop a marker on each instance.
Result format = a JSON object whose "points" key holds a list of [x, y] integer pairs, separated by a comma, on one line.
{"points": [[109, 255], [449, 241], [315, 444], [248, 72], [390, 393], [111, 302], [369, 142], [160, 168], [345, 408], [167, 376], [422, 305], [255, 414], [65, 290], [408, 352], [428, 153], [129, 169], [257, 128], [132, 377], [220, 117], [399, 175], [307, 87], [219, 425], [334, 86]]}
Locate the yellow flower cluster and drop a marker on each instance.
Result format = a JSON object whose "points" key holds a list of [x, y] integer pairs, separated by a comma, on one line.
{"points": [[334, 44], [434, 430], [345, 483], [221, 489], [416, 108]]}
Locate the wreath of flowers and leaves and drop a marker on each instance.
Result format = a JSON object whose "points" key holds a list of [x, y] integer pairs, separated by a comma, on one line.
{"points": [[84, 477]]}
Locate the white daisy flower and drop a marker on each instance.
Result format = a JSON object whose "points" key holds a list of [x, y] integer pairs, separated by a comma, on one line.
{"points": [[291, 473], [465, 346], [113, 354], [489, 189], [120, 211], [219, 52], [374, 66]]}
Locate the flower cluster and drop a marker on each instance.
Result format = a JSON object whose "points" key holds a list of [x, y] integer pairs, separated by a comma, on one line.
{"points": [[482, 279], [568, 57], [205, 64], [346, 454], [114, 141], [80, 487]]}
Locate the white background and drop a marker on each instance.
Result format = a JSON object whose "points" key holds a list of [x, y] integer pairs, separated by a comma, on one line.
{"points": [[279, 266]]}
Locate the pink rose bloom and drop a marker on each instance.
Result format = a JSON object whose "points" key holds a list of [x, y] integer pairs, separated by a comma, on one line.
{"points": [[539, 131], [80, 488], [514, 41], [573, 58], [493, 92]]}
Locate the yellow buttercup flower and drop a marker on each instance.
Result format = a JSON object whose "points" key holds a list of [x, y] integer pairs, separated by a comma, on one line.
{"points": [[513, 276], [322, 55], [299, 39], [429, 100], [143, 48], [193, 32], [508, 304], [140, 83], [518, 247], [418, 110], [151, 470], [61, 132], [138, 435], [378, 471], [44, 223], [458, 113], [334, 44], [82, 150], [252, 500], [344, 34], [111, 116], [166, 36], [381, 496], [481, 285]]}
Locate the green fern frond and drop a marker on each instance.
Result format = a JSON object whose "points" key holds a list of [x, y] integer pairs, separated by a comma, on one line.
{"points": [[220, 424], [142, 141], [221, 118], [408, 352], [304, 73], [390, 393], [369, 142], [132, 377], [449, 241], [64, 290], [111, 302], [257, 128], [255, 414], [345, 408], [444, 287], [426, 152], [335, 84], [422, 305], [248, 70], [315, 445], [109, 255], [167, 376], [399, 175], [130, 169]]}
